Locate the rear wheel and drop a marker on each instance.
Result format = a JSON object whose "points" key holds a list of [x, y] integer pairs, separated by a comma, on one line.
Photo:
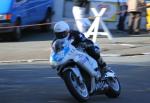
{"points": [[76, 87], [47, 21], [114, 87]]}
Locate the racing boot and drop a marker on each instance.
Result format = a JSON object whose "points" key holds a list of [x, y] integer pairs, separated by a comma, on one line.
{"points": [[101, 87]]}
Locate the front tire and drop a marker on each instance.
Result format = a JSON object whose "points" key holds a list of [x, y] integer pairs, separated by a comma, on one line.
{"points": [[80, 92]]}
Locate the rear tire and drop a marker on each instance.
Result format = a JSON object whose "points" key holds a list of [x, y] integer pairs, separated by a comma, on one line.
{"points": [[47, 21], [114, 88], [80, 93]]}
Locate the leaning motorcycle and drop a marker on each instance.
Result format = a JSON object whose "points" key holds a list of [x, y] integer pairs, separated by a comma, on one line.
{"points": [[81, 73]]}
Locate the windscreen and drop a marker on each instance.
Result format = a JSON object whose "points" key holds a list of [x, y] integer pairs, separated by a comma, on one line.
{"points": [[5, 6]]}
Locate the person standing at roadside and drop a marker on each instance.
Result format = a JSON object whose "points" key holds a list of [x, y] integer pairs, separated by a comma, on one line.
{"points": [[134, 11], [122, 14], [79, 12]]}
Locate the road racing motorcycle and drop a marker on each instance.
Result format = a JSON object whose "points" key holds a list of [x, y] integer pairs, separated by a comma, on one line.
{"points": [[81, 73]]}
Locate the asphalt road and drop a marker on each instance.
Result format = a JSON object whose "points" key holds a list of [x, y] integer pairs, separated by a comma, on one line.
{"points": [[38, 83]]}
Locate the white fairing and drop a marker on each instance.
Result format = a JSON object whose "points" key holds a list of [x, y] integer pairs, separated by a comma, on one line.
{"points": [[86, 61], [70, 52]]}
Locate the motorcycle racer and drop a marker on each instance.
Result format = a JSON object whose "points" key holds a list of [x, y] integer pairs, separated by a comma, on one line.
{"points": [[62, 30]]}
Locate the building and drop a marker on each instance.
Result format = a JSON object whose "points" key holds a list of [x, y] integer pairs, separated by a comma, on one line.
{"points": [[63, 11]]}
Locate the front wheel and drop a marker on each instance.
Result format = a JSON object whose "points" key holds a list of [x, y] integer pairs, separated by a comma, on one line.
{"points": [[114, 87], [76, 87], [17, 31]]}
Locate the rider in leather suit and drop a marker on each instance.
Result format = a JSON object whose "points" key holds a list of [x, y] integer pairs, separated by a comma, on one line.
{"points": [[62, 30]]}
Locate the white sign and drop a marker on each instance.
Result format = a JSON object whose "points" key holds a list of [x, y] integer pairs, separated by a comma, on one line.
{"points": [[110, 14]]}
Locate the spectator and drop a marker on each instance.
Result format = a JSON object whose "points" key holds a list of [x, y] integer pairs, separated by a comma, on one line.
{"points": [[79, 13], [135, 11], [122, 14]]}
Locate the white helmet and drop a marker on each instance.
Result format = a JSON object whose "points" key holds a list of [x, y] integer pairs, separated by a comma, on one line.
{"points": [[61, 29], [61, 26]]}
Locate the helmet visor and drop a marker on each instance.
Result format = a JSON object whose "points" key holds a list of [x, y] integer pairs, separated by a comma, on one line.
{"points": [[61, 35]]}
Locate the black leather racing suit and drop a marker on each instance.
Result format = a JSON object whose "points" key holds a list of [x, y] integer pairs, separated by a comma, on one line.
{"points": [[92, 50]]}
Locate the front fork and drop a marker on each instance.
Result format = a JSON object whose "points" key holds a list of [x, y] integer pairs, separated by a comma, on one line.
{"points": [[93, 82]]}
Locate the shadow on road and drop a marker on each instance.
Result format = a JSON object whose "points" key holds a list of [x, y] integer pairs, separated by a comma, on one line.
{"points": [[29, 35], [36, 34]]}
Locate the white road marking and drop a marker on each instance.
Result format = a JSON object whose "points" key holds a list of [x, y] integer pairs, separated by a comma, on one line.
{"points": [[46, 60], [110, 55], [148, 53], [52, 101], [130, 45], [52, 77]]}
